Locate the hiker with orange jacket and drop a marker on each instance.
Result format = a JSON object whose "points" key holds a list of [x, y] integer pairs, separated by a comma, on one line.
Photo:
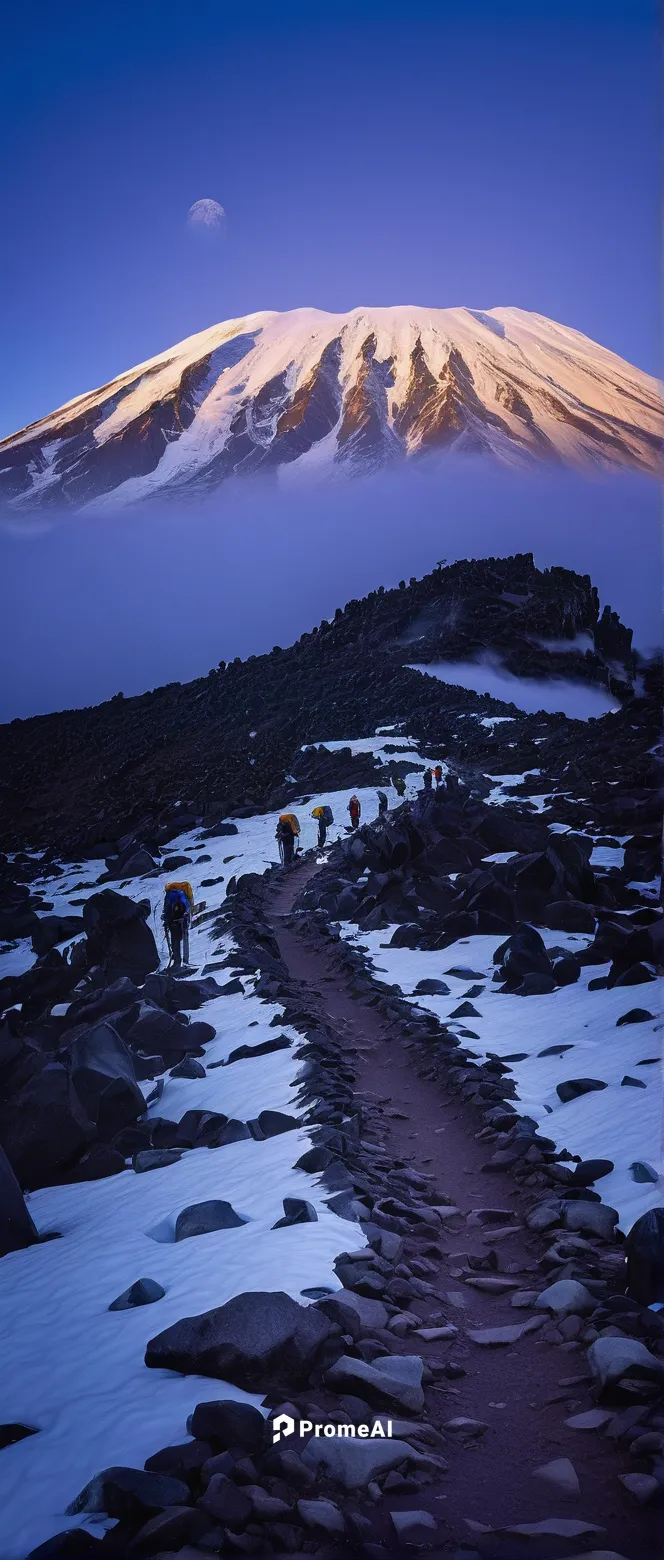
{"points": [[354, 810], [438, 775]]}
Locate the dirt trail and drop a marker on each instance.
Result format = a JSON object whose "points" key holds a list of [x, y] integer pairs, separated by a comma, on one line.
{"points": [[509, 1389]]}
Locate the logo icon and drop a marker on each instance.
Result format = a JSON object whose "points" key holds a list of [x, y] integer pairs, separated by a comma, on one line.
{"points": [[283, 1424]]}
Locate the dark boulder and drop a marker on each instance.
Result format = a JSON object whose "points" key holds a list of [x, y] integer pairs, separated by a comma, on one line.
{"points": [[203, 1218], [639, 974], [44, 1127], [256, 1340], [243, 1052], [53, 929], [570, 915], [72, 1544], [117, 997], [644, 1252], [132, 865], [119, 939], [589, 1170], [103, 1075], [172, 993], [100, 1161], [272, 1122], [523, 954], [129, 1492], [16, 1227], [572, 1088], [227, 1423], [407, 936], [566, 970], [157, 1033]]}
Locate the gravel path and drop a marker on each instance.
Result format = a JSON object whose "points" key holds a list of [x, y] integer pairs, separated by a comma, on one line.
{"points": [[523, 1392]]}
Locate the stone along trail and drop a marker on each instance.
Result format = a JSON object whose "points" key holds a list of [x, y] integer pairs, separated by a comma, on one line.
{"points": [[510, 1399]]}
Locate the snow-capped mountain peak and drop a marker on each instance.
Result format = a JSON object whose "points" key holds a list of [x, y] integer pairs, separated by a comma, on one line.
{"points": [[312, 391]]}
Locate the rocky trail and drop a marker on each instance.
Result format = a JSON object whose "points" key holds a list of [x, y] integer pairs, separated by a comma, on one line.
{"points": [[501, 1410]]}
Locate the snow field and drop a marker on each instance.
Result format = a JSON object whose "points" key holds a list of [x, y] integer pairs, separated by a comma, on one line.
{"points": [[619, 1122]]}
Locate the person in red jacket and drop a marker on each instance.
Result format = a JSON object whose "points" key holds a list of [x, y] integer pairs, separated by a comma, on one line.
{"points": [[354, 810]]}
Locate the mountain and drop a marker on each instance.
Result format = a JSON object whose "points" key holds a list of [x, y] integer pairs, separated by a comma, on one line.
{"points": [[237, 738], [321, 393]]}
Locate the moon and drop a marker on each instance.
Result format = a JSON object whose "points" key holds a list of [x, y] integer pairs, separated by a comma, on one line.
{"points": [[206, 215]]}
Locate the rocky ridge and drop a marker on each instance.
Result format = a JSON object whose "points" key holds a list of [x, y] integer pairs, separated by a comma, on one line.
{"points": [[86, 782]]}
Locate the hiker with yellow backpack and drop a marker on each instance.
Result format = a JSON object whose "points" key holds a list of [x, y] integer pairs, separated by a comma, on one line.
{"points": [[324, 818], [178, 908], [287, 833]]}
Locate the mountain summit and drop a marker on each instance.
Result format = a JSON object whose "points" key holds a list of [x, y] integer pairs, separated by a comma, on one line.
{"points": [[322, 393]]}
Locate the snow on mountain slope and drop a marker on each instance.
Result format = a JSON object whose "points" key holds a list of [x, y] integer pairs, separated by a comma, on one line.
{"points": [[317, 392]]}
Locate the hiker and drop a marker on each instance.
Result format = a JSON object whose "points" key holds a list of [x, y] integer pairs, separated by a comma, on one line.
{"points": [[178, 906], [354, 810], [399, 785], [287, 831], [428, 778], [382, 804], [438, 775], [324, 818]]}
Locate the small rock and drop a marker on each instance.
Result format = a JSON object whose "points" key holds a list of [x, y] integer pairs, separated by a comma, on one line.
{"points": [[321, 1515], [641, 1485], [226, 1503], [435, 1334], [155, 1159], [144, 1292], [641, 1171], [612, 1358], [391, 1382], [410, 1525], [592, 1217], [355, 1464], [495, 1337], [635, 1016], [11, 1433], [188, 1068], [465, 1427], [296, 1211], [226, 1422], [561, 1473], [566, 1297], [591, 1419]]}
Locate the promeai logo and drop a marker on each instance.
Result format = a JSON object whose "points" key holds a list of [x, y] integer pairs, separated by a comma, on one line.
{"points": [[283, 1425]]}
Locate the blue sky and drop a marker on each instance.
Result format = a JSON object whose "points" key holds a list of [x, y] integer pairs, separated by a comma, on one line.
{"points": [[485, 154]]}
